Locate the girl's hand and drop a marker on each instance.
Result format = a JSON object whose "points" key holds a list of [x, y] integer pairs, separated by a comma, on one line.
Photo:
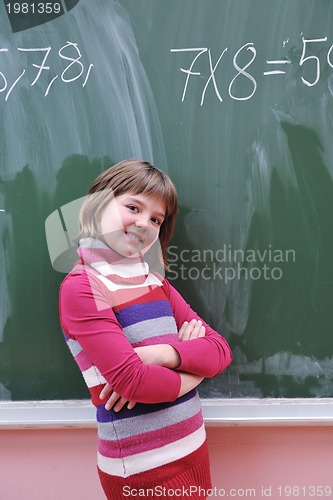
{"points": [[191, 330], [160, 354], [115, 401]]}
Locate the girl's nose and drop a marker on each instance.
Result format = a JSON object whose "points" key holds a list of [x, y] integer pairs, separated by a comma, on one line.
{"points": [[141, 221]]}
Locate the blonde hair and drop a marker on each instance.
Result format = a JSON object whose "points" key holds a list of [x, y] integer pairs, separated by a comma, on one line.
{"points": [[135, 177]]}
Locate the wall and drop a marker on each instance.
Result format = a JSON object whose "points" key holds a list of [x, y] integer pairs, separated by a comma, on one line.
{"points": [[60, 464]]}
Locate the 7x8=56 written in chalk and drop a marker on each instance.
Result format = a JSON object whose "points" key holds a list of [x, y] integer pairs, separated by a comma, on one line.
{"points": [[308, 61]]}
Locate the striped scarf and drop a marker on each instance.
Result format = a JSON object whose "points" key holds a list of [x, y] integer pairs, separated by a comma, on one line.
{"points": [[111, 265]]}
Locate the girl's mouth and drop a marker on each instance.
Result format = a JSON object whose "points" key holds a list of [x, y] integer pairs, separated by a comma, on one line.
{"points": [[134, 236]]}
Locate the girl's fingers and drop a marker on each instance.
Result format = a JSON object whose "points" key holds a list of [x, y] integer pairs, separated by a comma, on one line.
{"points": [[120, 404], [198, 332], [195, 330], [191, 330], [182, 330], [112, 400], [106, 391], [115, 401], [187, 330]]}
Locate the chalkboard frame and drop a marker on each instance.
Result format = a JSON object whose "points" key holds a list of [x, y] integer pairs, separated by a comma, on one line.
{"points": [[216, 413]]}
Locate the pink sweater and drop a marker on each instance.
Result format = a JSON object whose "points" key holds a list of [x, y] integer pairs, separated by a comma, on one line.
{"points": [[163, 429]]}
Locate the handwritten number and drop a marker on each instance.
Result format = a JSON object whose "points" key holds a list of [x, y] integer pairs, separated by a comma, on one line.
{"points": [[75, 60], [42, 66], [242, 72], [315, 58], [189, 71]]}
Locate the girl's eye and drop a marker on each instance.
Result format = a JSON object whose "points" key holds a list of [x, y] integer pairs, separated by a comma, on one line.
{"points": [[156, 221], [134, 208]]}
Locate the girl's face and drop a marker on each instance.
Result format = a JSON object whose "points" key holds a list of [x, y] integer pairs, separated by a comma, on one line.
{"points": [[130, 223]]}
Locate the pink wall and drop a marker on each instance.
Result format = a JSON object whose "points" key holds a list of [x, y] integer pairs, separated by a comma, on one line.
{"points": [[256, 457], [60, 464]]}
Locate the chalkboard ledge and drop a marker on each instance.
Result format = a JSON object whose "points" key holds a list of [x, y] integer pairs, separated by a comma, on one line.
{"points": [[216, 412]]}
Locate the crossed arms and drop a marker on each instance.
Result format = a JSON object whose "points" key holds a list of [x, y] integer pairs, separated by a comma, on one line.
{"points": [[161, 355], [150, 374]]}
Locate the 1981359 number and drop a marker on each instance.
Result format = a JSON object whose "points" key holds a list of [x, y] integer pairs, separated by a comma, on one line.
{"points": [[33, 8], [304, 491]]}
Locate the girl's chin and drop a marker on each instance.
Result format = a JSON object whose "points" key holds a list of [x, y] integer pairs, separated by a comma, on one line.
{"points": [[127, 247], [130, 251]]}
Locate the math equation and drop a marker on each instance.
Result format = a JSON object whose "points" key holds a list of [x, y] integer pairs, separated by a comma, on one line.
{"points": [[73, 70], [274, 68]]}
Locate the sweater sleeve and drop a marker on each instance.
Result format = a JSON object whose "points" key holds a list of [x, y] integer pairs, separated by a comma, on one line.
{"points": [[206, 356], [104, 342]]}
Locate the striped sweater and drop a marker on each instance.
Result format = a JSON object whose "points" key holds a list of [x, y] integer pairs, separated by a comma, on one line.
{"points": [[103, 319]]}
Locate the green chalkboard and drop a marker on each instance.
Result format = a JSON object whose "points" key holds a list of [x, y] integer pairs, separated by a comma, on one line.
{"points": [[234, 99]]}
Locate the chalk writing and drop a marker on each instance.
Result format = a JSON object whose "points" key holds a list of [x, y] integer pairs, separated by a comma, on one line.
{"points": [[276, 71], [316, 59], [74, 69], [241, 71], [248, 50]]}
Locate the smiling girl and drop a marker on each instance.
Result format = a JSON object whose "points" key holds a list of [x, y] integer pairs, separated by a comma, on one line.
{"points": [[141, 348]]}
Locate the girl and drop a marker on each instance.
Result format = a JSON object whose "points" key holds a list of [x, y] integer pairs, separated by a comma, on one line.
{"points": [[141, 348]]}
